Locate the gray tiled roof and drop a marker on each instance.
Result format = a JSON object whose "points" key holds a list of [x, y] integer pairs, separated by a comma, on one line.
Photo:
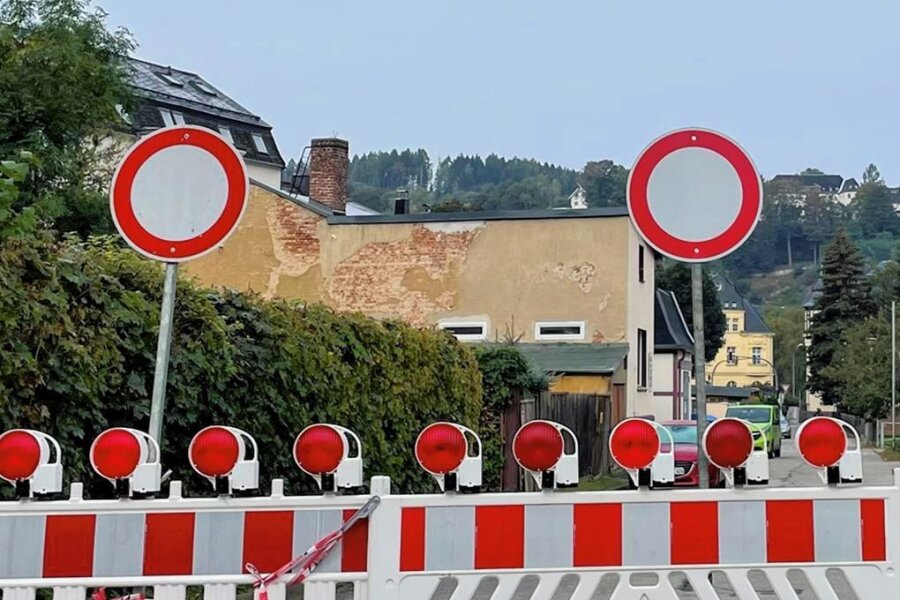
{"points": [[599, 359], [145, 78], [730, 298], [213, 110], [670, 330]]}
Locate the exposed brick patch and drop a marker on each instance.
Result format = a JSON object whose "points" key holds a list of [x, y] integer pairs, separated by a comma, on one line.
{"points": [[295, 242], [410, 278]]}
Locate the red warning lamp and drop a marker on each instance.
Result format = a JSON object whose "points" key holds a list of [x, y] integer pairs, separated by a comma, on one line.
{"points": [[728, 443], [20, 455], [822, 442], [214, 451], [634, 444], [451, 453], [129, 459], [332, 454], [227, 457], [441, 448], [319, 449], [116, 454], [538, 446], [30, 460]]}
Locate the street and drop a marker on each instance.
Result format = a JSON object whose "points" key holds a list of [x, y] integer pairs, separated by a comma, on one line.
{"points": [[791, 471]]}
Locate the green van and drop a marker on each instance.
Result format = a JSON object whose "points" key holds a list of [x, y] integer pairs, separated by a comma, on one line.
{"points": [[764, 417]]}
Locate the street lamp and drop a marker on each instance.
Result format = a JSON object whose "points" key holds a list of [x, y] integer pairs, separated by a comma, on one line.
{"points": [[800, 399]]}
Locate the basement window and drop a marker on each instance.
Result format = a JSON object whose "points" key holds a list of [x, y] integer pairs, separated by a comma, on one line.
{"points": [[466, 331], [559, 330], [260, 144]]}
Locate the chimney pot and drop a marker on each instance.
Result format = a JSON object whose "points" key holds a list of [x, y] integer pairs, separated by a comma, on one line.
{"points": [[329, 172]]}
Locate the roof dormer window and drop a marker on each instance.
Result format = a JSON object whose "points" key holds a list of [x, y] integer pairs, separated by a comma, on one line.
{"points": [[171, 117], [260, 144], [168, 78]]}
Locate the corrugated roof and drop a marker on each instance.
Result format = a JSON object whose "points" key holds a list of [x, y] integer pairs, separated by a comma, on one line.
{"points": [[670, 329], [594, 359]]}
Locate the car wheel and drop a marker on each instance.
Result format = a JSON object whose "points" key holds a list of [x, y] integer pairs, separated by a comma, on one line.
{"points": [[777, 452], [771, 454]]}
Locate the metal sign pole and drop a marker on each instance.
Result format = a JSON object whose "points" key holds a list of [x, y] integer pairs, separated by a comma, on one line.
{"points": [[164, 344], [699, 367], [893, 374]]}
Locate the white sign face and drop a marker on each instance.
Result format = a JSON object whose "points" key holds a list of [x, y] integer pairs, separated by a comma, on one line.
{"points": [[179, 193], [694, 195]]}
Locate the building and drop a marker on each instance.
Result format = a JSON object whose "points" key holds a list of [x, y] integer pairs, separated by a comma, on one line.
{"points": [[166, 96], [549, 277], [746, 358], [673, 356], [834, 187]]}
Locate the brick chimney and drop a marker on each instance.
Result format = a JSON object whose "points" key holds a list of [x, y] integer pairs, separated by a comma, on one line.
{"points": [[329, 172]]}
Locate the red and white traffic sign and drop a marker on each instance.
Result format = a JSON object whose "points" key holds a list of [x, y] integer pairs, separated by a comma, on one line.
{"points": [[179, 193], [694, 195]]}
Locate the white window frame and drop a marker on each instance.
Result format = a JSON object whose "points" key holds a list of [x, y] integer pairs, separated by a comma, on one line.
{"points": [[225, 132], [171, 117], [259, 143], [756, 355], [466, 337], [550, 337]]}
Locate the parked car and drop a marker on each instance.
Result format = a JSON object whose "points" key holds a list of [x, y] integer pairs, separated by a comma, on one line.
{"points": [[684, 434], [767, 433], [785, 428]]}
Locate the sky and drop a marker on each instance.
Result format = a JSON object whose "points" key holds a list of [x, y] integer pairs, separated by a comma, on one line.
{"points": [[798, 83]]}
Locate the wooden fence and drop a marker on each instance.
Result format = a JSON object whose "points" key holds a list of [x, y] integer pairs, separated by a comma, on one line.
{"points": [[587, 415]]}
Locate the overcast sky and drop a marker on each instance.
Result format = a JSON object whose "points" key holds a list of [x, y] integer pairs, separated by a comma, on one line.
{"points": [[798, 83]]}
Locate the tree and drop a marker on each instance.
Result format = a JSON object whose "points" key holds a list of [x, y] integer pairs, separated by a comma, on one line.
{"points": [[861, 368], [812, 171], [62, 81], [604, 181], [846, 300], [676, 278], [787, 324], [875, 209], [886, 285], [872, 175]]}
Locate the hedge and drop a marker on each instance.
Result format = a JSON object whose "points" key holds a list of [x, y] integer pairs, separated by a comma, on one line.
{"points": [[78, 326]]}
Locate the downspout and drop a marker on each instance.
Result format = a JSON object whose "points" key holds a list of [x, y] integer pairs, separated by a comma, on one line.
{"points": [[678, 401]]}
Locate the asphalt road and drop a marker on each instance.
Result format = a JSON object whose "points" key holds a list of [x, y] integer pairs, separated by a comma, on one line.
{"points": [[791, 471]]}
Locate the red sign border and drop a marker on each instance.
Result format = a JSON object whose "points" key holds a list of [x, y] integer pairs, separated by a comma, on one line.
{"points": [[688, 250], [161, 249]]}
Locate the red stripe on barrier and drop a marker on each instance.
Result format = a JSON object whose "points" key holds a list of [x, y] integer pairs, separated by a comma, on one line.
{"points": [[412, 539], [268, 539], [499, 537], [695, 533], [598, 535], [169, 544], [789, 531], [69, 546], [355, 545], [874, 539]]}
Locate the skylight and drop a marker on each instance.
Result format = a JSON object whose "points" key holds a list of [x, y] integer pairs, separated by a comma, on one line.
{"points": [[168, 79], [203, 87]]}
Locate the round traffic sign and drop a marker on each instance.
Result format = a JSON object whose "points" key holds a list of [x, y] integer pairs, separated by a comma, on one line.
{"points": [[178, 193], [694, 195]]}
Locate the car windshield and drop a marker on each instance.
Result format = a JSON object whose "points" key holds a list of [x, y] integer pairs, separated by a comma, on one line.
{"points": [[752, 414], [683, 434]]}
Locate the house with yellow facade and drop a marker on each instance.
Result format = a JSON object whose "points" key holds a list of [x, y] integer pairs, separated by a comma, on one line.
{"points": [[746, 358]]}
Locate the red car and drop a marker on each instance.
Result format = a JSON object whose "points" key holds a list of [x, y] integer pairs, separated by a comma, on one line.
{"points": [[684, 434]]}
